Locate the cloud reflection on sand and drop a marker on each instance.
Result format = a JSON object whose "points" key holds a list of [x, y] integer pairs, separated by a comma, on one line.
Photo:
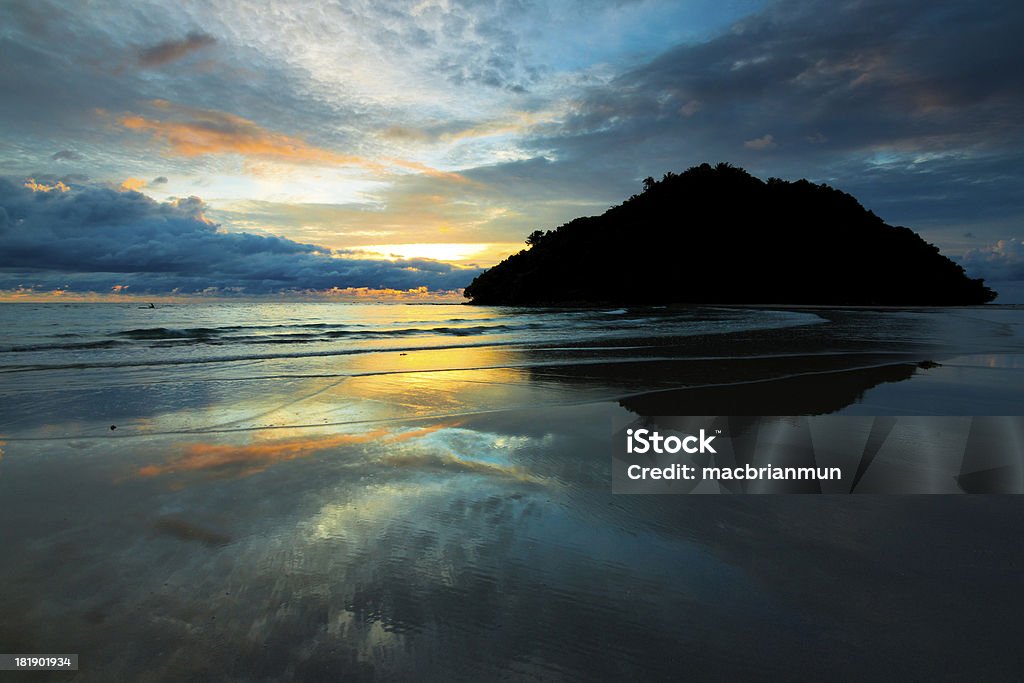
{"points": [[184, 530], [449, 449], [219, 461]]}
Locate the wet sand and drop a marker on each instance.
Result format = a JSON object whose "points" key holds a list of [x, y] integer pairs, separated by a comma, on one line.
{"points": [[411, 521]]}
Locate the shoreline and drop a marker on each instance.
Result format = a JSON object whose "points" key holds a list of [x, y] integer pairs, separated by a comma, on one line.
{"points": [[836, 389]]}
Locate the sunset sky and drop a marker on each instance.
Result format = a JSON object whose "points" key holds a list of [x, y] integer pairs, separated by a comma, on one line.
{"points": [[308, 147]]}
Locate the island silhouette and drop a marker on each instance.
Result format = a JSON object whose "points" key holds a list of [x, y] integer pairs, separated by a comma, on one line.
{"points": [[718, 235]]}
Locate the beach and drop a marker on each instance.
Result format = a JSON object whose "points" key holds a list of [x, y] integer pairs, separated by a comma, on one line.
{"points": [[246, 491]]}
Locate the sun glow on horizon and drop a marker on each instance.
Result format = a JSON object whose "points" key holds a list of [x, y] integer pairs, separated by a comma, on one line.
{"points": [[479, 253]]}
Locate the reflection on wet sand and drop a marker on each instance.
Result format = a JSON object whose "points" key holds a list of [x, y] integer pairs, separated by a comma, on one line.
{"points": [[456, 450], [187, 531], [447, 515], [810, 394], [345, 566], [227, 461]]}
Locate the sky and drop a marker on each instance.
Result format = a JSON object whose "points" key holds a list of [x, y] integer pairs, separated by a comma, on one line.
{"points": [[379, 147]]}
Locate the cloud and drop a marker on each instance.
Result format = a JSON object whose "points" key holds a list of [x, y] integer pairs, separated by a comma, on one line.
{"points": [[66, 155], [407, 134], [134, 184], [171, 50], [691, 108], [512, 124], [764, 142], [830, 71], [191, 132], [1001, 261], [196, 132], [45, 186], [502, 204], [94, 239], [918, 92], [911, 106], [137, 184]]}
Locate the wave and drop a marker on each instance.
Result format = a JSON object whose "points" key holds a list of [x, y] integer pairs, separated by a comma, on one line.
{"points": [[276, 339], [165, 336], [76, 346], [125, 363]]}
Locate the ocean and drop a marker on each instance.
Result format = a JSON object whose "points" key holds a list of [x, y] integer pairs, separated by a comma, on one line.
{"points": [[83, 336], [327, 491]]}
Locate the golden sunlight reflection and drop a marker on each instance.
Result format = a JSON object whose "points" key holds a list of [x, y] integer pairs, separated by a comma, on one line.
{"points": [[413, 382], [490, 363], [358, 389]]}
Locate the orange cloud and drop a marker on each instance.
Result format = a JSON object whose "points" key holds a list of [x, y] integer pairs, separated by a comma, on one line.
{"points": [[197, 132], [433, 172], [212, 132], [42, 187], [135, 184], [519, 123]]}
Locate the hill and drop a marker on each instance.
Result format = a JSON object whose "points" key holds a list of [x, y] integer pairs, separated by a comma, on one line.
{"points": [[716, 234]]}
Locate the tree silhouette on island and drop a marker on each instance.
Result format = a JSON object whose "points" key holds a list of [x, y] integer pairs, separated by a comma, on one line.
{"points": [[716, 234]]}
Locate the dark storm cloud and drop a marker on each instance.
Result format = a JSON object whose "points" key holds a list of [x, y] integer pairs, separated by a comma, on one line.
{"points": [[840, 75], [96, 238], [954, 189], [913, 99], [159, 180], [170, 50]]}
